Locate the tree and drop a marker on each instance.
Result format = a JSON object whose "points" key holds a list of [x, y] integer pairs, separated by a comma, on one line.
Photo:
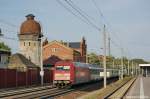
{"points": [[93, 59], [4, 47]]}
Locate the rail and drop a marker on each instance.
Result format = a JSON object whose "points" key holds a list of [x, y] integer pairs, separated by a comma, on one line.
{"points": [[121, 91], [108, 91], [22, 91]]}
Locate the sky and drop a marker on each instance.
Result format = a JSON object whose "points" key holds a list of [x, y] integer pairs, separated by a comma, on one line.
{"points": [[127, 24]]}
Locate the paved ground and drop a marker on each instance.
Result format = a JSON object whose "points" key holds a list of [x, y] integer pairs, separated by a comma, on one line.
{"points": [[140, 89]]}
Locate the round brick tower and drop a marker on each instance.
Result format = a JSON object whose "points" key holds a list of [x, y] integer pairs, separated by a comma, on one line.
{"points": [[29, 37]]}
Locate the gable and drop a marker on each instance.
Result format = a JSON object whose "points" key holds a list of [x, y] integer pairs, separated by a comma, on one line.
{"points": [[56, 43]]}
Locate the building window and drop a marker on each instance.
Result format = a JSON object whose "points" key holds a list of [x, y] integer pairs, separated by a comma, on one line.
{"points": [[55, 49], [29, 58], [29, 43], [24, 43]]}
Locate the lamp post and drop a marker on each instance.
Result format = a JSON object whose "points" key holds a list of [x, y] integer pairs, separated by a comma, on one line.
{"points": [[104, 58], [128, 67], [122, 67], [41, 61]]}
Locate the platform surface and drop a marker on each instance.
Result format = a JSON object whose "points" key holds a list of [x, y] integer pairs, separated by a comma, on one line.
{"points": [[140, 89]]}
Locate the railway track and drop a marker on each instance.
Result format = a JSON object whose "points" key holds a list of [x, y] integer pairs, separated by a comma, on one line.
{"points": [[7, 93], [45, 92], [119, 94], [36, 93], [42, 94]]}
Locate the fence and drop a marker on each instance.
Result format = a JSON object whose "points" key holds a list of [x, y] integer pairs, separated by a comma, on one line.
{"points": [[13, 78]]}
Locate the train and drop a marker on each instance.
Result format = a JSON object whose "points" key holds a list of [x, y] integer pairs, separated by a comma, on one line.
{"points": [[68, 73]]}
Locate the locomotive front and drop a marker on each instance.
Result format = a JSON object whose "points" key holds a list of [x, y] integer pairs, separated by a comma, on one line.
{"points": [[62, 75]]}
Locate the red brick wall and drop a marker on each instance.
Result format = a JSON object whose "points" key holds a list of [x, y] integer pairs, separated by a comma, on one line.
{"points": [[62, 52], [57, 50]]}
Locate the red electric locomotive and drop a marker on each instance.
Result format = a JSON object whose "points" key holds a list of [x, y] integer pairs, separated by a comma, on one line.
{"points": [[72, 73]]}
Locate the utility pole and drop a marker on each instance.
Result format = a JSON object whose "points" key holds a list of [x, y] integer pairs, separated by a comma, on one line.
{"points": [[132, 68], [104, 58], [109, 54], [109, 46], [122, 64], [136, 69], [128, 67], [113, 66]]}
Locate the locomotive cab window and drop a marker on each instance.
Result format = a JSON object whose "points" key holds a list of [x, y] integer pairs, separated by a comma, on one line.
{"points": [[66, 67], [59, 67], [62, 67]]}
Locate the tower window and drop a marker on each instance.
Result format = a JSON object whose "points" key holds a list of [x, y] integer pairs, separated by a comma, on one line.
{"points": [[29, 58], [29, 43]]}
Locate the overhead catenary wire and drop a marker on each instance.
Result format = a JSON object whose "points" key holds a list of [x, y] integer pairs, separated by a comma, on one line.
{"points": [[98, 9], [8, 23], [79, 13], [77, 7], [69, 10], [114, 35], [83, 15], [10, 38]]}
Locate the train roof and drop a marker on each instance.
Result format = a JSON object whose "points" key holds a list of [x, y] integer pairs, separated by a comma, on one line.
{"points": [[85, 65], [79, 64]]}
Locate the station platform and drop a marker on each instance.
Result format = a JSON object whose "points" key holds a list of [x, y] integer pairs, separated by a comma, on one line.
{"points": [[140, 89]]}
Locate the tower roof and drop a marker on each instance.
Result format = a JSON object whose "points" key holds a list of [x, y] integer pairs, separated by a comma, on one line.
{"points": [[30, 26]]}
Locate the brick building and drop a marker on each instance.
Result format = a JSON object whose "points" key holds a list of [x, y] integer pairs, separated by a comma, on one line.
{"points": [[58, 50]]}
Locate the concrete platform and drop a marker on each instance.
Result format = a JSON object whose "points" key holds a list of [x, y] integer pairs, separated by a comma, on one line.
{"points": [[140, 89]]}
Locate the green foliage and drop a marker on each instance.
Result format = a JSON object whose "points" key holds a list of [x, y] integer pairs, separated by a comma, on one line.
{"points": [[97, 59], [4, 47], [93, 59], [140, 61]]}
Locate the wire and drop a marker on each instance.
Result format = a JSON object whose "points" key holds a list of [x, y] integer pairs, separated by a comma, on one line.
{"points": [[5, 37], [108, 24], [81, 14], [8, 23], [59, 2], [82, 11], [99, 11]]}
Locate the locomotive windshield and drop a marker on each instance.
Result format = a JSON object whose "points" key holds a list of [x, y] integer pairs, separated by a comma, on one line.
{"points": [[63, 68]]}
